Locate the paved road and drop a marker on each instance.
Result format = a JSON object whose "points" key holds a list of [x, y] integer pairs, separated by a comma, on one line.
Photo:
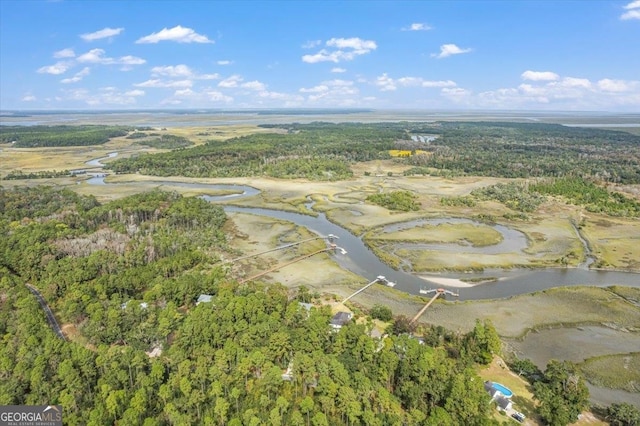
{"points": [[52, 320]]}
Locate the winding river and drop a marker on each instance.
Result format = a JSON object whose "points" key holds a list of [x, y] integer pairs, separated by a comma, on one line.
{"points": [[362, 261]]}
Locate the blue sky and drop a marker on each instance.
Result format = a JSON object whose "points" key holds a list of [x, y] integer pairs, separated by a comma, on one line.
{"points": [[509, 55]]}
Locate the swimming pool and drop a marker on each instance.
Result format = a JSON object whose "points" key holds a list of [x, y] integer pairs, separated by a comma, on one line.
{"points": [[505, 391]]}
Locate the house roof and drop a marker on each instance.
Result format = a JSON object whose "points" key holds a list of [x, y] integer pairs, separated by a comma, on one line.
{"points": [[503, 402], [488, 386], [341, 318], [204, 298]]}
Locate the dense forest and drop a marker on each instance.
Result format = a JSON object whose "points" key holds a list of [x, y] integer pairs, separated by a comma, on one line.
{"points": [[320, 152], [43, 174], [165, 141], [523, 150], [47, 136], [512, 150], [123, 279], [395, 200]]}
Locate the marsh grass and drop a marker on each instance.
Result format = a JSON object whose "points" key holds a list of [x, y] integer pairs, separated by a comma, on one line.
{"points": [[460, 233], [620, 371]]}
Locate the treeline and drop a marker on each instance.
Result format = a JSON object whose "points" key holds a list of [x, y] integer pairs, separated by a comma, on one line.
{"points": [[525, 150], [516, 196], [43, 174], [315, 151], [527, 197], [46, 136], [395, 200], [163, 142], [595, 198]]}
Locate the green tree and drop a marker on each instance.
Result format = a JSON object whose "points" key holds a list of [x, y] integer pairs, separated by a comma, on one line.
{"points": [[623, 414], [562, 393], [381, 312]]}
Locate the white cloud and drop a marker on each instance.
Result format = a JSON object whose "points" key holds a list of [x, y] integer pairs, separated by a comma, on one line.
{"points": [[456, 93], [417, 27], [29, 98], [339, 83], [55, 69], [135, 92], [184, 92], [64, 53], [103, 33], [386, 83], [409, 81], [178, 34], [338, 70], [97, 56], [335, 92], [173, 71], [213, 76], [633, 11], [202, 98], [347, 50], [93, 56], [449, 50], [171, 102], [576, 82], [322, 56], [232, 81], [182, 71], [311, 44], [539, 75], [354, 43], [224, 62], [254, 85], [632, 14], [216, 96], [609, 85], [105, 96], [77, 77], [129, 60], [438, 83], [566, 93], [164, 83], [316, 89]]}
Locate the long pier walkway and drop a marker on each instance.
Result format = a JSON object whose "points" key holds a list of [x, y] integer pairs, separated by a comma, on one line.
{"points": [[332, 247], [439, 292]]}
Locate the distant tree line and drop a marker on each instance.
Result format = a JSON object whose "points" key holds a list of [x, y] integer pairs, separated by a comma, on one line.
{"points": [[320, 151], [525, 150], [43, 174], [48, 136], [163, 142]]}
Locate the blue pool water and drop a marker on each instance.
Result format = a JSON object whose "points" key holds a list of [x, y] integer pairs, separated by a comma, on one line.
{"points": [[503, 389]]}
